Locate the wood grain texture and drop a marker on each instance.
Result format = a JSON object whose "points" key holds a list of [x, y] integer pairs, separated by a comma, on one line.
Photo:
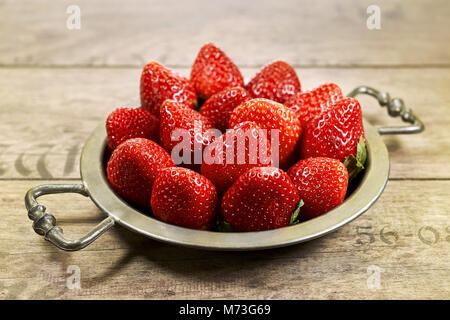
{"points": [[47, 114], [57, 85], [406, 234], [303, 32]]}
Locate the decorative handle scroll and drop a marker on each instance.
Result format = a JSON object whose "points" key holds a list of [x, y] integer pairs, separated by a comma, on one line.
{"points": [[395, 107], [44, 223]]}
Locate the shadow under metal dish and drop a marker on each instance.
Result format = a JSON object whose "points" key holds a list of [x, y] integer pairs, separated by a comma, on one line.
{"points": [[95, 185]]}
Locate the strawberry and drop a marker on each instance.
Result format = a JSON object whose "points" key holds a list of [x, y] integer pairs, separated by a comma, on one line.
{"points": [[213, 71], [336, 133], [234, 153], [260, 199], [185, 198], [159, 83], [133, 167], [321, 184], [308, 105], [189, 128], [127, 123], [272, 115], [219, 106], [276, 81]]}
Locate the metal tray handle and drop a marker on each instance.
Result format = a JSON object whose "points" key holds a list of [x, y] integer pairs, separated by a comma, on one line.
{"points": [[395, 107], [44, 223]]}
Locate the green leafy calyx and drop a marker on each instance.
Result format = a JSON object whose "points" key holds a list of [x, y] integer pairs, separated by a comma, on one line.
{"points": [[223, 226], [356, 164], [295, 215]]}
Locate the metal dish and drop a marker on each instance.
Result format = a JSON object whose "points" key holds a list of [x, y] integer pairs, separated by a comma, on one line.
{"points": [[95, 185]]}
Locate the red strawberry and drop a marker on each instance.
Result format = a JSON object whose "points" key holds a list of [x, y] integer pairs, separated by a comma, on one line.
{"points": [[219, 106], [321, 184], [260, 199], [126, 123], [335, 133], [192, 127], [185, 198], [272, 115], [234, 153], [133, 167], [308, 105], [213, 71], [159, 83], [276, 81]]}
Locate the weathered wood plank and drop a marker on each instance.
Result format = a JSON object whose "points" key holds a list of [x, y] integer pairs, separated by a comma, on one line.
{"points": [[47, 114], [252, 33], [406, 234]]}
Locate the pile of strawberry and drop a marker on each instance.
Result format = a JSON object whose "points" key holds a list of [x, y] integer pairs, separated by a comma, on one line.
{"points": [[321, 146]]}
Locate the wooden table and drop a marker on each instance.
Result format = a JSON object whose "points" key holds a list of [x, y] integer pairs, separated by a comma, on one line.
{"points": [[57, 85]]}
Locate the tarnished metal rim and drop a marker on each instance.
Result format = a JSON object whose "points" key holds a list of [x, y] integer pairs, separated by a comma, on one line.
{"points": [[368, 191]]}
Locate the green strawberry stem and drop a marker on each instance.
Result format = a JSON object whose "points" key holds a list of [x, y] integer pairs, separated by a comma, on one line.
{"points": [[356, 164], [294, 217], [223, 226], [199, 103]]}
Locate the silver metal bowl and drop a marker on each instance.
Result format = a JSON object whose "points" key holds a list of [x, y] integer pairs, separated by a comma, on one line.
{"points": [[95, 185]]}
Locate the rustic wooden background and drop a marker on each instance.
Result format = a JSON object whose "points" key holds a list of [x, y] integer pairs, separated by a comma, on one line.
{"points": [[57, 85]]}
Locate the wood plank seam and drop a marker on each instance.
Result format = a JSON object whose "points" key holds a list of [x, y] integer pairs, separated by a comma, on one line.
{"points": [[247, 66]]}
